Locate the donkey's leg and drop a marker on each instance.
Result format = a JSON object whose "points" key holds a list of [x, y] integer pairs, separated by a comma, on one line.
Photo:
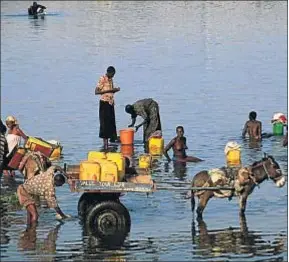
{"points": [[193, 202], [203, 200], [242, 204]]}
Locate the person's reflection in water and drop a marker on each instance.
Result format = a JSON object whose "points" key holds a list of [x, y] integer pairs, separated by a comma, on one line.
{"points": [[28, 240], [180, 169], [232, 240], [255, 145]]}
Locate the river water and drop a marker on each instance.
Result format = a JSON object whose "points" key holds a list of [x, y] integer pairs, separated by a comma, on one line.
{"points": [[208, 64]]}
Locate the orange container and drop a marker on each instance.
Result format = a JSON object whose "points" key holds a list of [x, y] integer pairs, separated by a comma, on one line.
{"points": [[126, 136], [127, 150]]}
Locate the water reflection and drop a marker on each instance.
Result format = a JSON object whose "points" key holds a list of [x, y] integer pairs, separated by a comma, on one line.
{"points": [[28, 241], [180, 169], [234, 240]]}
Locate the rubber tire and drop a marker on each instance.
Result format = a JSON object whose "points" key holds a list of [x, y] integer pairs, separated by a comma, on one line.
{"points": [[108, 219], [85, 203]]}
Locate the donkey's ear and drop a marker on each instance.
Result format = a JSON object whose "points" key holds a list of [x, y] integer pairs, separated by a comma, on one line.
{"points": [[265, 155]]}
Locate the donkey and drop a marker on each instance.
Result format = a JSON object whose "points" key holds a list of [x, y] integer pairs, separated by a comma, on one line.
{"points": [[243, 184]]}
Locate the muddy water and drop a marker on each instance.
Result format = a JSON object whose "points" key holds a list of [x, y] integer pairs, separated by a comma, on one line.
{"points": [[208, 64]]}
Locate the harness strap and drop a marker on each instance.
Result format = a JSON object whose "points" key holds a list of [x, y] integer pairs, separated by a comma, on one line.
{"points": [[266, 171]]}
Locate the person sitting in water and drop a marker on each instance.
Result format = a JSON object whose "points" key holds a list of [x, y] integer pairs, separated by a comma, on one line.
{"points": [[252, 127], [179, 145], [148, 109], [42, 185], [32, 10]]}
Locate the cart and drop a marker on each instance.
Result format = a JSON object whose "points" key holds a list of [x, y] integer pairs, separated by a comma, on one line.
{"points": [[99, 206]]}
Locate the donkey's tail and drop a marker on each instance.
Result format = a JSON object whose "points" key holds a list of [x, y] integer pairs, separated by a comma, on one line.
{"points": [[190, 195]]}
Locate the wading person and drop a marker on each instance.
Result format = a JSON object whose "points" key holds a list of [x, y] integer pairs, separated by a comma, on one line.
{"points": [[252, 127], [106, 90], [179, 145], [148, 109], [32, 10], [42, 185]]}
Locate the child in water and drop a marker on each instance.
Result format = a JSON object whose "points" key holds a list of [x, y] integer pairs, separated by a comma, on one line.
{"points": [[179, 145]]}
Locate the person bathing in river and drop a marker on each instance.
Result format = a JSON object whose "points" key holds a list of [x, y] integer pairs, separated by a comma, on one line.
{"points": [[179, 145], [253, 128], [148, 109]]}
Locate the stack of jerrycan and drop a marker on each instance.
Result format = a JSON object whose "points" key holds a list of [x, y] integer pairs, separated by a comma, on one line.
{"points": [[103, 167]]}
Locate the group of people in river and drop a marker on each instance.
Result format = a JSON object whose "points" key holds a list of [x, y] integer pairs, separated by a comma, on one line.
{"points": [[44, 183], [148, 109]]}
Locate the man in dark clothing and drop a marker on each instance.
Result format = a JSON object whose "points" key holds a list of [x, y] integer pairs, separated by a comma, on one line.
{"points": [[3, 147], [32, 10], [148, 109]]}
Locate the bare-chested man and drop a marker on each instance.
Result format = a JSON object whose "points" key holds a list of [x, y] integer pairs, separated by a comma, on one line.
{"points": [[179, 147], [253, 127]]}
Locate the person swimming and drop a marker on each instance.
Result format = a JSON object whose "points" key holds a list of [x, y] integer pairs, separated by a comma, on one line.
{"points": [[179, 145]]}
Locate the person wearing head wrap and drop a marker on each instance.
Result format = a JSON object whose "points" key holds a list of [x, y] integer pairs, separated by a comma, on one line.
{"points": [[252, 127], [106, 90], [148, 109], [13, 138]]}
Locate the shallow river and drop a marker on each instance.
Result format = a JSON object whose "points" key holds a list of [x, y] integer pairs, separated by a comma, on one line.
{"points": [[208, 64]]}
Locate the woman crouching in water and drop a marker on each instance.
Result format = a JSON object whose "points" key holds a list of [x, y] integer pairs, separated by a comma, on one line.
{"points": [[179, 146]]}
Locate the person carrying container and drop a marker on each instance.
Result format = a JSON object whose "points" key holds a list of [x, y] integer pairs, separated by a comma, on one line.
{"points": [[13, 138], [148, 109], [32, 10], [42, 185]]}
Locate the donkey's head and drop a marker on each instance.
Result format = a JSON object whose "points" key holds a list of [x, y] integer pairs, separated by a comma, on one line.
{"points": [[272, 170]]}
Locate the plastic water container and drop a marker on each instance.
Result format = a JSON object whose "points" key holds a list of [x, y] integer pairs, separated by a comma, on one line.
{"points": [[48, 149], [145, 161], [94, 155], [16, 159], [126, 136], [127, 150], [156, 146], [109, 172], [278, 129], [89, 170], [233, 158], [119, 160]]}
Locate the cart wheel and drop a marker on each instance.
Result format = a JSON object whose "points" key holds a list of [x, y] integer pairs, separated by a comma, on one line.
{"points": [[86, 202], [108, 218]]}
